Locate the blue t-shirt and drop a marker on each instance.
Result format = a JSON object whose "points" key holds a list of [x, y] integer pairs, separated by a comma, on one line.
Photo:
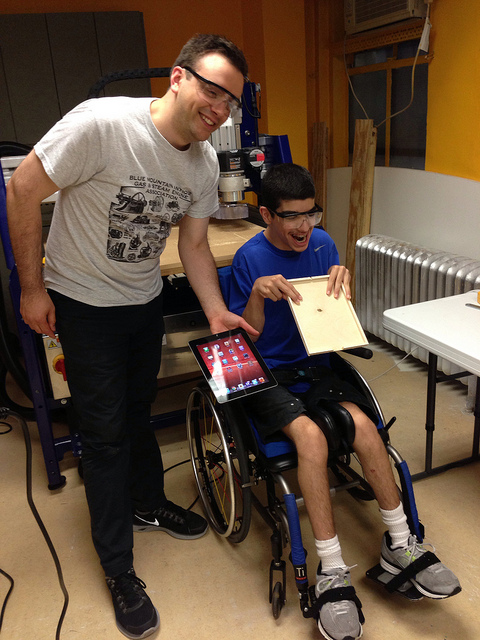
{"points": [[280, 343]]}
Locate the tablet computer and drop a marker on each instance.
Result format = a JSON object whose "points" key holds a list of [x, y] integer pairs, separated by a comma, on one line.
{"points": [[232, 365]]}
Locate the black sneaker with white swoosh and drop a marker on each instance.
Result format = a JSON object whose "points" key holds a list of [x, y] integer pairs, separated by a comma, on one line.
{"points": [[135, 614], [173, 519]]}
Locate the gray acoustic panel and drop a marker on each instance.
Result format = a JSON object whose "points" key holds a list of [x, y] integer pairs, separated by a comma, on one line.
{"points": [[75, 57], [29, 75], [7, 127], [121, 46], [50, 61]]}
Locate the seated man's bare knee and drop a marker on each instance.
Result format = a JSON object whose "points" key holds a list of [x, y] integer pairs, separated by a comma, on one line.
{"points": [[364, 427], [308, 438]]}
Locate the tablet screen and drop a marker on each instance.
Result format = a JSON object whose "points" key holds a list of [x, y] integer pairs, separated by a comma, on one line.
{"points": [[232, 365]]}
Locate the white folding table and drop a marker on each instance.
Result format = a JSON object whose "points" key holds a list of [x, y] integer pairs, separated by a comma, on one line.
{"points": [[448, 328]]}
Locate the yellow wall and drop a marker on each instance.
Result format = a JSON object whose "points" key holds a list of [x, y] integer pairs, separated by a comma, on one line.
{"points": [[453, 138], [272, 35]]}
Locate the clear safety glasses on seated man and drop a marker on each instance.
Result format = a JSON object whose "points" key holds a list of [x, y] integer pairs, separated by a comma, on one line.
{"points": [[294, 219]]}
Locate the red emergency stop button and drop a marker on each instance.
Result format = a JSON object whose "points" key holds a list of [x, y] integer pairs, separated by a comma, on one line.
{"points": [[59, 366]]}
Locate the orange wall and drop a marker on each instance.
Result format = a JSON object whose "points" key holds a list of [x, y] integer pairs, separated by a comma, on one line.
{"points": [[285, 70], [453, 121], [272, 35]]}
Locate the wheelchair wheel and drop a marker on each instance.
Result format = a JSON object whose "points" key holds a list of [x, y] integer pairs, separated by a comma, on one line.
{"points": [[220, 465], [278, 600]]}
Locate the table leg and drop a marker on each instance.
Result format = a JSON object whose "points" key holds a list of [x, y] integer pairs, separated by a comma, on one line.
{"points": [[430, 417], [476, 430], [430, 425]]}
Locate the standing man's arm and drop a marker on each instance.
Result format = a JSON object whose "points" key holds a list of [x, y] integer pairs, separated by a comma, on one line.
{"points": [[201, 272], [26, 189]]}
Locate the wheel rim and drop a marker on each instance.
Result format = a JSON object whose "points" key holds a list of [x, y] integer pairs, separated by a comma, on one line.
{"points": [[214, 473]]}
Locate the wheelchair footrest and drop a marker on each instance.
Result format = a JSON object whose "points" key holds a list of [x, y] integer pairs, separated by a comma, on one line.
{"points": [[380, 576], [332, 595]]}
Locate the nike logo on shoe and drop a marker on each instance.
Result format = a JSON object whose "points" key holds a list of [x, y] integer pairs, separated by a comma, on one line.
{"points": [[154, 523]]}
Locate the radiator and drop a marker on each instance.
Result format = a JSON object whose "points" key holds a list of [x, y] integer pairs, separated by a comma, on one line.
{"points": [[391, 273]]}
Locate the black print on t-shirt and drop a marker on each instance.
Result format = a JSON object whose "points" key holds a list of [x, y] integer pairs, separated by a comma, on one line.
{"points": [[140, 220]]}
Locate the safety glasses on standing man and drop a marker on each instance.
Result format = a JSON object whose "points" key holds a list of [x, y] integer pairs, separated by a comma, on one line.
{"points": [[215, 94]]}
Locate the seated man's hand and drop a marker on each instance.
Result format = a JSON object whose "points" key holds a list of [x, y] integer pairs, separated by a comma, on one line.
{"points": [[275, 288], [338, 275]]}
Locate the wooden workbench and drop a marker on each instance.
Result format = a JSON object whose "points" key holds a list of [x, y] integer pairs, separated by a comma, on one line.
{"points": [[224, 236]]}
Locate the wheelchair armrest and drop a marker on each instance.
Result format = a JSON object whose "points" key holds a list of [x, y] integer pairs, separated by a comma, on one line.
{"points": [[361, 352]]}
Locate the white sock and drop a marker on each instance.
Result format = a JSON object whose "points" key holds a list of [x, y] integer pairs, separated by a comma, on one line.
{"points": [[330, 554], [396, 521]]}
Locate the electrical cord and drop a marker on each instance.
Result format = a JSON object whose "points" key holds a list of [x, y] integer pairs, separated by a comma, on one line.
{"points": [[4, 413], [4, 573], [255, 113], [8, 427], [412, 92], [178, 465], [412, 83], [393, 366]]}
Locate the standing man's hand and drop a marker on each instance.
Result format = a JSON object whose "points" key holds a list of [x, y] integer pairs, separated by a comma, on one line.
{"points": [[228, 320], [38, 311]]}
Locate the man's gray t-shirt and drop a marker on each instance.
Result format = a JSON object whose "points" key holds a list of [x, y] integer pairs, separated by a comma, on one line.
{"points": [[122, 187]]}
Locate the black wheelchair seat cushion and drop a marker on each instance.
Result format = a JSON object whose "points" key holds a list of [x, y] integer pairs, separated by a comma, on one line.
{"points": [[331, 389], [340, 418], [331, 428]]}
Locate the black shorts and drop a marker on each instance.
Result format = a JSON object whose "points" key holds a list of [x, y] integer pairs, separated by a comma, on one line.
{"points": [[274, 409]]}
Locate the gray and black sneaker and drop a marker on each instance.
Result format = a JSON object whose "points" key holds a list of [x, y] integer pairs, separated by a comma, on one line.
{"points": [[135, 614], [434, 581], [338, 619], [174, 520]]}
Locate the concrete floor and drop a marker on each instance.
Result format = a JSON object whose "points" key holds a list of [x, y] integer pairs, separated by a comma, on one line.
{"points": [[209, 588]]}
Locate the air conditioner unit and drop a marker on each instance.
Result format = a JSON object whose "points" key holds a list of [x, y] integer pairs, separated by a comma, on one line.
{"points": [[361, 15]]}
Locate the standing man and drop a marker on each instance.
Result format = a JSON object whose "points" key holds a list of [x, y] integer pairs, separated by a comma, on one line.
{"points": [[126, 170]]}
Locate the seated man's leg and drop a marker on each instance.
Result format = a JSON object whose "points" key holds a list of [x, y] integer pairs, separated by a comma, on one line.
{"points": [[312, 451], [399, 547], [337, 619], [373, 455]]}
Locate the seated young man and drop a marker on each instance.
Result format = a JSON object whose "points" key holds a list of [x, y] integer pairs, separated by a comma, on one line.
{"points": [[291, 247]]}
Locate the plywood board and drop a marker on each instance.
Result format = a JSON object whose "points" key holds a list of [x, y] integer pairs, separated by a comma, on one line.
{"points": [[325, 323]]}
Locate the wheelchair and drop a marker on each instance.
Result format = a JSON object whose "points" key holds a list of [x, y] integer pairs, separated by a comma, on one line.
{"points": [[230, 460]]}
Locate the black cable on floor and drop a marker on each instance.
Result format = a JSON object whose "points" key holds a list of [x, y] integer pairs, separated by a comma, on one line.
{"points": [[4, 413], [10, 579], [178, 465]]}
